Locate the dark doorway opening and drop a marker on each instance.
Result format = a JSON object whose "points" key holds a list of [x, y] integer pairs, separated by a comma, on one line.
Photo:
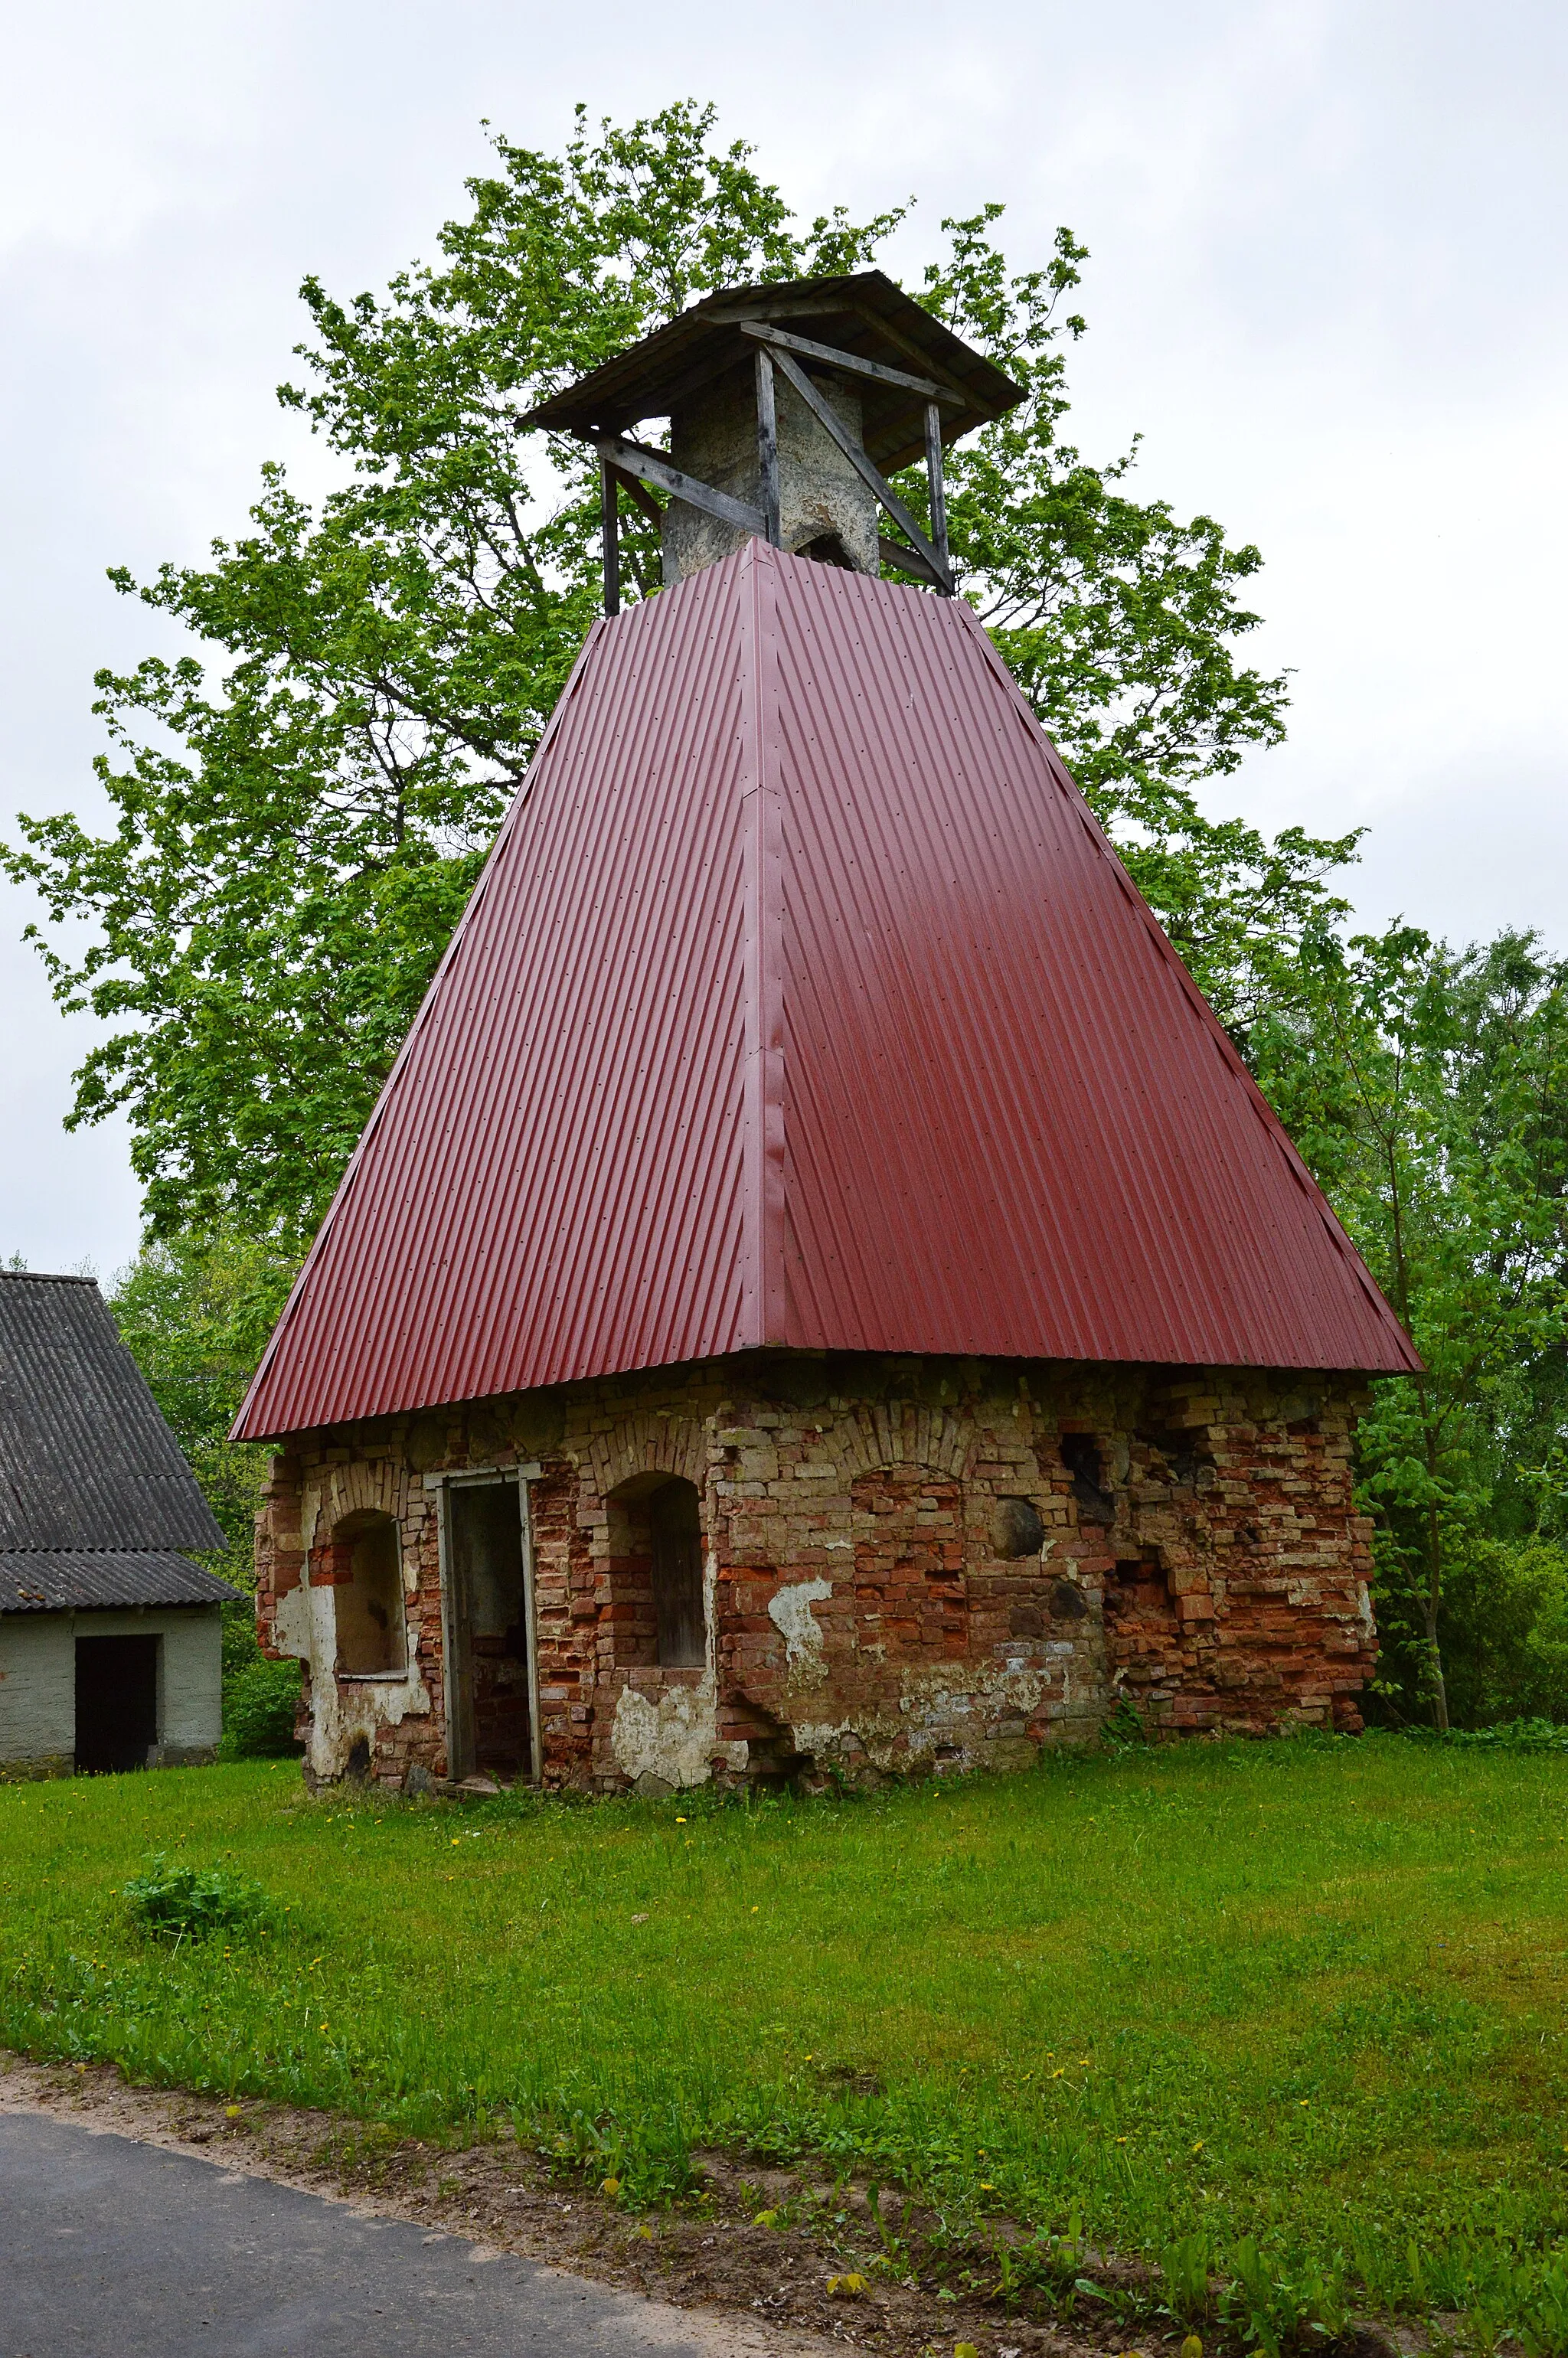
{"points": [[492, 1727], [116, 1702], [674, 1524]]}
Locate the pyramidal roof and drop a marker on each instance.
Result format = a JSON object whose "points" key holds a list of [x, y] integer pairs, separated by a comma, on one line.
{"points": [[803, 1002]]}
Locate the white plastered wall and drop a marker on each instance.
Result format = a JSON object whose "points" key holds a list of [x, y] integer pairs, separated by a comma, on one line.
{"points": [[37, 1678], [38, 1687]]}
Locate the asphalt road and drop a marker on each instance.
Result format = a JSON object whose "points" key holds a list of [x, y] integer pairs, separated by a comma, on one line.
{"points": [[114, 2249]]}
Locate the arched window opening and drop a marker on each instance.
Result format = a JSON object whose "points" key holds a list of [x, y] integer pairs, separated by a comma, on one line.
{"points": [[674, 1520], [367, 1582], [656, 1615]]}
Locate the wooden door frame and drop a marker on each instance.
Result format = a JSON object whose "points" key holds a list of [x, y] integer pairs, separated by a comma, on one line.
{"points": [[456, 1657]]}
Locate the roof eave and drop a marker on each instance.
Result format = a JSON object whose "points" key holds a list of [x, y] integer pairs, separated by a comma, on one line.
{"points": [[642, 381]]}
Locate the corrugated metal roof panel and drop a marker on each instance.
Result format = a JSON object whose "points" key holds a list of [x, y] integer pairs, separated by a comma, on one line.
{"points": [[553, 1177], [803, 1002], [65, 1580], [1013, 1125], [86, 1460]]}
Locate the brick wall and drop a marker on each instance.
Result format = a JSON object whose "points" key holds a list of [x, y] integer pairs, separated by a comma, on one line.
{"points": [[908, 1563]]}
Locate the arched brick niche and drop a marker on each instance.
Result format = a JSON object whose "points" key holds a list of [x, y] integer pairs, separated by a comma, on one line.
{"points": [[910, 1574], [644, 1444], [361, 1562], [653, 1614], [360, 1486]]}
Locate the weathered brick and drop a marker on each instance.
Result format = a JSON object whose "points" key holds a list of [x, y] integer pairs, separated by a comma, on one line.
{"points": [[847, 1552]]}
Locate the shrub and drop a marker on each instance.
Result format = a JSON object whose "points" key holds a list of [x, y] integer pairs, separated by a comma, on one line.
{"points": [[259, 1707], [1504, 1633], [188, 1903]]}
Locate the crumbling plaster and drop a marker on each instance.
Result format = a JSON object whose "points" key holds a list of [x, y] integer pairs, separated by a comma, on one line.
{"points": [[789, 1610], [340, 1712], [868, 1610]]}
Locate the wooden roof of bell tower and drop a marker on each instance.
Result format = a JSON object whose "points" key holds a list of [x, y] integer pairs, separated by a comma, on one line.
{"points": [[904, 351], [917, 388]]}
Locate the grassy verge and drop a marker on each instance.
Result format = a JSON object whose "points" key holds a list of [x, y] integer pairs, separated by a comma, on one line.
{"points": [[1294, 2002]]}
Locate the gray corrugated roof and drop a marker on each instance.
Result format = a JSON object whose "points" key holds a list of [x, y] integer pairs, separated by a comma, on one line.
{"points": [[62, 1580], [86, 1460]]}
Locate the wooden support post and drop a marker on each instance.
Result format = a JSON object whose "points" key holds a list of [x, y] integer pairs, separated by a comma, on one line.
{"points": [[836, 431], [768, 445], [610, 532], [938, 494]]}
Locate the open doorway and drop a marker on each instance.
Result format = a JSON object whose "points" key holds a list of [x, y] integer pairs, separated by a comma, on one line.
{"points": [[116, 1702], [490, 1680]]}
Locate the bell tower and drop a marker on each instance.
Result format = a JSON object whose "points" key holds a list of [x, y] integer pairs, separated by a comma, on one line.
{"points": [[802, 1005], [789, 407]]}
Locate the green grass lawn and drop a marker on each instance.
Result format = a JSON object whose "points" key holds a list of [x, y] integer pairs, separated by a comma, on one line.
{"points": [[1308, 1994]]}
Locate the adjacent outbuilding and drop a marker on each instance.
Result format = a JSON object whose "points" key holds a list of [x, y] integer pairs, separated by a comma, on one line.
{"points": [[111, 1637]]}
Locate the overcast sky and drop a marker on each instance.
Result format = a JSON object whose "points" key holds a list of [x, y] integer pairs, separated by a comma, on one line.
{"points": [[1327, 284]]}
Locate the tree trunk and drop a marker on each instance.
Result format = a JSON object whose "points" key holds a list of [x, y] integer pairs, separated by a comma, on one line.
{"points": [[1439, 1685], [1432, 1599]]}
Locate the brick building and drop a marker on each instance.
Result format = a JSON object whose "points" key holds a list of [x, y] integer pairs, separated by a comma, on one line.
{"points": [[820, 1291]]}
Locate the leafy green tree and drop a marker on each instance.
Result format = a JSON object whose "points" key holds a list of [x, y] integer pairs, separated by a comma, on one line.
{"points": [[195, 1316], [302, 803], [1429, 1088]]}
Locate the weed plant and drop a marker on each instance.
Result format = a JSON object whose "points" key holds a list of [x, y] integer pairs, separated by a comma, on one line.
{"points": [[1287, 2019], [181, 1903]]}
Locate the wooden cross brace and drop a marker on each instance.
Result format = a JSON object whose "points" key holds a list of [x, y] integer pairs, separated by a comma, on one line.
{"points": [[631, 466]]}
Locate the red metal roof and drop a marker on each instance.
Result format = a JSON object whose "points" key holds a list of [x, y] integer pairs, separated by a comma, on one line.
{"points": [[803, 1002]]}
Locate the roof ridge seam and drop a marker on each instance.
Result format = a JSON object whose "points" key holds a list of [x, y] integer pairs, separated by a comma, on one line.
{"points": [[763, 1082]]}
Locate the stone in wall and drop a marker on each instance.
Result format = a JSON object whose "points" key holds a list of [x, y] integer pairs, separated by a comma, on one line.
{"points": [[826, 508]]}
